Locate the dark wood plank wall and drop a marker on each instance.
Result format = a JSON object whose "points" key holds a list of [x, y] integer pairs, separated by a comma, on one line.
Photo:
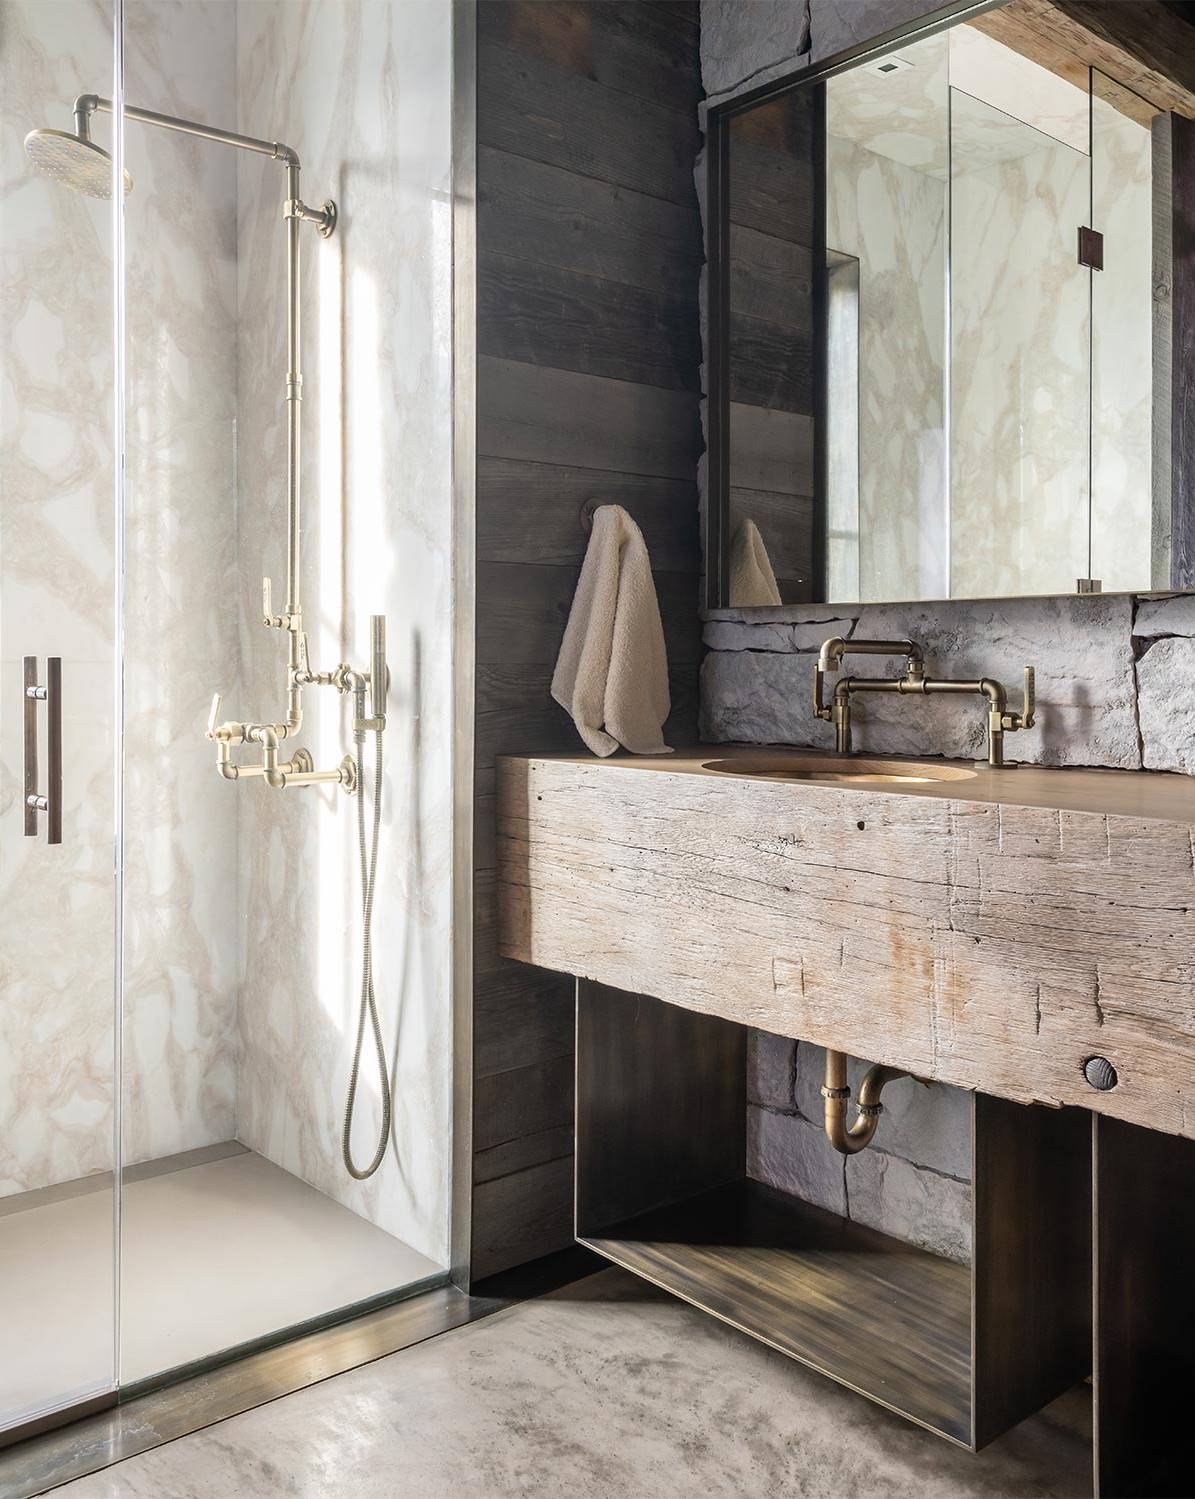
{"points": [[771, 335], [589, 252]]}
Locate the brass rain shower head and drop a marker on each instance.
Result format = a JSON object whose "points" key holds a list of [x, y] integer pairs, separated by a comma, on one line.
{"points": [[77, 163]]}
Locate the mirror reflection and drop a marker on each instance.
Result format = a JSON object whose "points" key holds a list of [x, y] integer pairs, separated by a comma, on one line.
{"points": [[939, 381]]}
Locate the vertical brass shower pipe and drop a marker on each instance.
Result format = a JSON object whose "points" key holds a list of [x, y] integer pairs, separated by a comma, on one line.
{"points": [[296, 653]]}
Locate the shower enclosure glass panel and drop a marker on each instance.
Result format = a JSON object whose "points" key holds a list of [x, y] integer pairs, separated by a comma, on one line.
{"points": [[58, 578], [1020, 353], [1130, 471], [180, 998]]}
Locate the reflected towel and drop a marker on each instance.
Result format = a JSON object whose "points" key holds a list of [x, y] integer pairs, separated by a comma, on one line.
{"points": [[612, 671], [752, 581]]}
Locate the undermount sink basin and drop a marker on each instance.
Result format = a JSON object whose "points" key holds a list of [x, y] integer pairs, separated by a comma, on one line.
{"points": [[840, 768]]}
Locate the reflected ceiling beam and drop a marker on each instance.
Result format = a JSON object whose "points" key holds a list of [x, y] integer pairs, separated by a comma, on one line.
{"points": [[1145, 46]]}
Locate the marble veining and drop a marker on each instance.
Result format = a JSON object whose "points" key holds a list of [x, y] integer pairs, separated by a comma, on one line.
{"points": [[181, 639]]}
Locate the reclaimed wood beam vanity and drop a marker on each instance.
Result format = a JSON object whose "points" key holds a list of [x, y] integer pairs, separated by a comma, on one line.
{"points": [[998, 930]]}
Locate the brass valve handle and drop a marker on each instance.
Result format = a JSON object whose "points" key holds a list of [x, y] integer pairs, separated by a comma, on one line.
{"points": [[1011, 722]]}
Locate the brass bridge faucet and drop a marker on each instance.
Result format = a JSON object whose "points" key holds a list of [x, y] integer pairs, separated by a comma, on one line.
{"points": [[914, 682]]}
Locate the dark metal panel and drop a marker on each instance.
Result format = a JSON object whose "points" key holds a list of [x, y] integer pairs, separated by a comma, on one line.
{"points": [[1032, 1259], [1144, 1311], [661, 1104], [1182, 356]]}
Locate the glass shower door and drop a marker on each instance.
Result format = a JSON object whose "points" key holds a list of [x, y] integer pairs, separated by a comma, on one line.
{"points": [[58, 735]]}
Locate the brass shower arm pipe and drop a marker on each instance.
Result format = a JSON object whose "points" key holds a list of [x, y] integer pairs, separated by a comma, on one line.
{"points": [[88, 104]]}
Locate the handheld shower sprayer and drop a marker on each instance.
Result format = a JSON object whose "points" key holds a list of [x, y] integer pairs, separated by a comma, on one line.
{"points": [[368, 853]]}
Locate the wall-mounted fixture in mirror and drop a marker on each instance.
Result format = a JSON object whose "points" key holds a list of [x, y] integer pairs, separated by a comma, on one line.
{"points": [[947, 288]]}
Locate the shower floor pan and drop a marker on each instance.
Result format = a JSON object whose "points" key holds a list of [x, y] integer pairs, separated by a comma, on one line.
{"points": [[219, 1248]]}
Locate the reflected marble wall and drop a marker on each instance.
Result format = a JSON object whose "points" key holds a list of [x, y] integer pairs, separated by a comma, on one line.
{"points": [[56, 588], [362, 89], [892, 218], [1019, 375]]}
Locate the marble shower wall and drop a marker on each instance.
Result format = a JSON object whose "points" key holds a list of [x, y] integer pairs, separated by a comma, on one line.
{"points": [[362, 89], [181, 637]]}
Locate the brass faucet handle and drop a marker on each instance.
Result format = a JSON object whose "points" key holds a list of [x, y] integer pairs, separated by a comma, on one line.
{"points": [[1011, 722], [213, 717], [819, 706]]}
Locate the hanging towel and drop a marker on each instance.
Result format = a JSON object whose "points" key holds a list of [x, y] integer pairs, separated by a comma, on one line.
{"points": [[752, 580], [612, 671]]}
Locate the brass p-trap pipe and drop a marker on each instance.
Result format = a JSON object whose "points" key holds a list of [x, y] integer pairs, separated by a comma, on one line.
{"points": [[837, 1094]]}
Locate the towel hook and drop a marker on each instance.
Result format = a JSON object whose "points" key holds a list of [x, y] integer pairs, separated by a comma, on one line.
{"points": [[585, 515]]}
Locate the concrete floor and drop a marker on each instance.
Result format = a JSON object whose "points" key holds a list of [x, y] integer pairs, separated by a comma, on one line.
{"points": [[215, 1254], [607, 1390]]}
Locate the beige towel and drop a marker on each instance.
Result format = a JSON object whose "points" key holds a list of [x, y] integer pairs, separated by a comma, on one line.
{"points": [[752, 580], [612, 670]]}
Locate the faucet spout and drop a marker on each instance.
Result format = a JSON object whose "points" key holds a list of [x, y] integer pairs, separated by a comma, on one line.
{"points": [[914, 683]]}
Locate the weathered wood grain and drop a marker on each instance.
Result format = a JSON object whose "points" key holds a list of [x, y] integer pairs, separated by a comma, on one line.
{"points": [[564, 320], [589, 251], [995, 947], [770, 365], [532, 513], [771, 450], [523, 1101], [555, 217], [586, 421], [521, 1216], [770, 278], [536, 108], [527, 607], [633, 48], [1145, 46]]}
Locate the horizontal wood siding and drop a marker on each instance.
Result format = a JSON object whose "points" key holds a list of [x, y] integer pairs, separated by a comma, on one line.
{"points": [[588, 263]]}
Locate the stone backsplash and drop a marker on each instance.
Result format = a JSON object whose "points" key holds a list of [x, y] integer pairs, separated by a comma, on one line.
{"points": [[1115, 678]]}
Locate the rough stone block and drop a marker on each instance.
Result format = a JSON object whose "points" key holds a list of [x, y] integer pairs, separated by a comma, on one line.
{"points": [[771, 1062], [793, 1155], [1157, 617], [1166, 684], [910, 1203]]}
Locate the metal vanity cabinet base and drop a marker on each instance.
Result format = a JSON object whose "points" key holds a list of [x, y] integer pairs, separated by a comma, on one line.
{"points": [[965, 1351], [1144, 1311]]}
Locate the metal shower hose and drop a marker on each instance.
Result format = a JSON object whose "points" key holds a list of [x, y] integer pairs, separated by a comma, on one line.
{"points": [[369, 1007]]}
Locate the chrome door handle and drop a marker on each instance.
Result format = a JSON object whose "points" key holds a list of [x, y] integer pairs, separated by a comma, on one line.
{"points": [[51, 694]]}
